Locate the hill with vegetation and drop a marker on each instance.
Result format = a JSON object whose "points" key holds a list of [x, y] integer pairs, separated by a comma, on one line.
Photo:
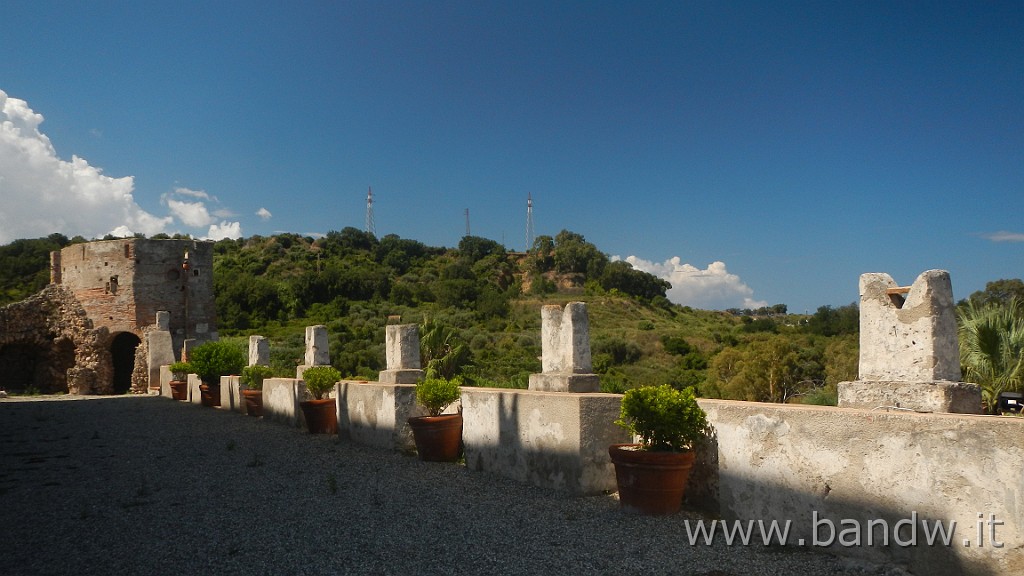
{"points": [[479, 310]]}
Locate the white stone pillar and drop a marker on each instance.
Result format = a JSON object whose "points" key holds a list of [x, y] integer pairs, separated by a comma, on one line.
{"points": [[402, 350], [259, 351], [565, 351], [317, 349], [909, 351]]}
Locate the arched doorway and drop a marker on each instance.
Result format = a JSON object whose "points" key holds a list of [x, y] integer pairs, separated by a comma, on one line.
{"points": [[122, 355], [18, 365]]}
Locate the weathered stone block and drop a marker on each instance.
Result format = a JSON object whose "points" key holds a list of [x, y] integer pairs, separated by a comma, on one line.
{"points": [[910, 338], [552, 440], [565, 349], [938, 396], [402, 347], [317, 348], [259, 351], [400, 376]]}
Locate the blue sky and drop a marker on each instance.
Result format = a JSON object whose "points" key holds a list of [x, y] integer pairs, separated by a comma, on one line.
{"points": [[751, 153]]}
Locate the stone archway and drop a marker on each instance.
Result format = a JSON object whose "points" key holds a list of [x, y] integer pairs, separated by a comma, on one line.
{"points": [[122, 356], [18, 364]]}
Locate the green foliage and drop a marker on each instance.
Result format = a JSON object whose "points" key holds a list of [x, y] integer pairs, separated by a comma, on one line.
{"points": [[320, 380], [180, 370], [998, 292], [436, 394], [442, 353], [992, 347], [211, 360], [751, 326], [827, 395], [829, 321], [573, 254], [665, 419], [621, 276], [253, 376], [25, 266], [766, 370]]}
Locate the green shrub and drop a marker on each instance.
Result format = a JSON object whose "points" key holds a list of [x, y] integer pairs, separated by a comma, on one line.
{"points": [[665, 419], [436, 394], [320, 380], [180, 371], [212, 360], [253, 376]]}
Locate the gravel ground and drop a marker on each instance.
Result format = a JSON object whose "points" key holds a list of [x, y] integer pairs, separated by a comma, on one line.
{"points": [[146, 485]]}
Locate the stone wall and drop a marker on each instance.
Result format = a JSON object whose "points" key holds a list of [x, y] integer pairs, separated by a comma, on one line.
{"points": [[50, 335], [122, 284], [797, 463]]}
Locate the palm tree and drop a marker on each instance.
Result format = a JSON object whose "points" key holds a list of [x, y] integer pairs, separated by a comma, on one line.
{"points": [[992, 348], [442, 353]]}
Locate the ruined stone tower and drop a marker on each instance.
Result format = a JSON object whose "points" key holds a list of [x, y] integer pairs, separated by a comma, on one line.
{"points": [[83, 332]]}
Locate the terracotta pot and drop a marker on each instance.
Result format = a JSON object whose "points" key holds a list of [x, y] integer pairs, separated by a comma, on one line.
{"points": [[438, 438], [650, 482], [179, 389], [321, 416], [253, 402], [210, 395]]}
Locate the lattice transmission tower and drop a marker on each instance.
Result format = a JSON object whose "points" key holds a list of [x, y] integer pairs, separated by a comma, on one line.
{"points": [[370, 229], [529, 221]]}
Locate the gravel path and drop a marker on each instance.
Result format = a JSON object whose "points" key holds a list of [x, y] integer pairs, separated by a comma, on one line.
{"points": [[146, 485]]}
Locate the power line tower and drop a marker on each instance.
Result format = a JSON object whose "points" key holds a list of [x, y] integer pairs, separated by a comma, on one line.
{"points": [[529, 221], [369, 213], [467, 221]]}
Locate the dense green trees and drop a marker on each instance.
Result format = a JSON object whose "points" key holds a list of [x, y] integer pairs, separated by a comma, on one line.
{"points": [[25, 266], [998, 292]]}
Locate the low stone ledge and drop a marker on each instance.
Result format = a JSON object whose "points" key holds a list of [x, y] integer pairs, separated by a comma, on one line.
{"points": [[400, 376], [934, 396], [281, 400], [231, 394], [549, 382], [195, 395], [550, 439]]}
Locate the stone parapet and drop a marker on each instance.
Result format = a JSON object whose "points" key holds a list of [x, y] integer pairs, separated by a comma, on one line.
{"points": [[376, 413], [407, 376], [281, 400], [554, 440], [565, 382], [850, 467], [936, 396]]}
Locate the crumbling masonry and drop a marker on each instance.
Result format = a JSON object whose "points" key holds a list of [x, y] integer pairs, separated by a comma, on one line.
{"points": [[87, 332]]}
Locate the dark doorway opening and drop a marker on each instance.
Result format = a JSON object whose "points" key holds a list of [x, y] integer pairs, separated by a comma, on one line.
{"points": [[122, 354], [18, 365]]}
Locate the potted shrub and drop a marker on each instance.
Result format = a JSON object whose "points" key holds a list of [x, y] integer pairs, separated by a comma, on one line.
{"points": [[321, 413], [438, 436], [652, 474], [251, 382], [212, 360], [179, 380]]}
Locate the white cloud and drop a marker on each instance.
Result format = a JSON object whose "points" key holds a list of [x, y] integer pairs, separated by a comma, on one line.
{"points": [[264, 214], [232, 230], [193, 214], [713, 288], [1004, 236], [193, 209], [43, 194], [201, 194]]}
